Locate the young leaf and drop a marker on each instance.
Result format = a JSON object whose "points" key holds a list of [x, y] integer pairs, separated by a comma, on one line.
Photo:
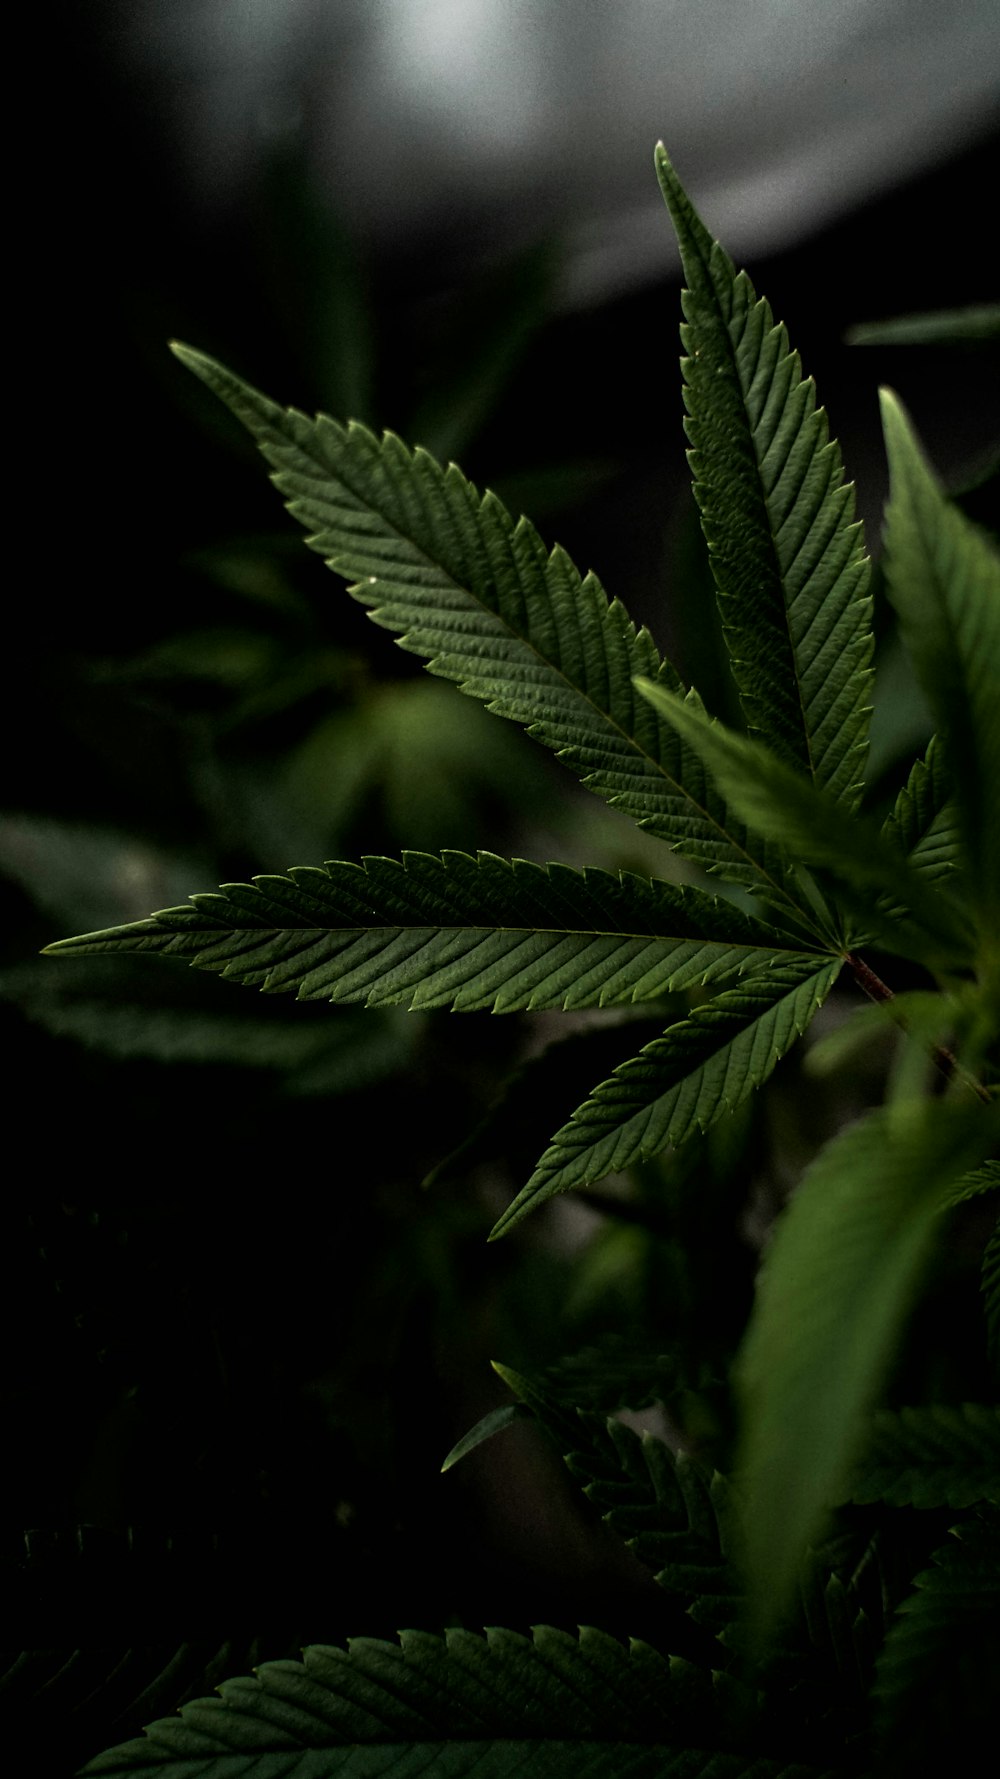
{"points": [[677, 1517], [674, 1513], [943, 577], [457, 932], [786, 552], [837, 1282], [700, 1068], [486, 605], [551, 1704], [782, 803]]}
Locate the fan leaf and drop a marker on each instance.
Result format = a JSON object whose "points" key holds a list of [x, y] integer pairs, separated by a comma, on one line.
{"points": [[838, 1279], [700, 1068], [677, 1517], [485, 605], [805, 820], [786, 552], [457, 932], [943, 577], [552, 1704]]}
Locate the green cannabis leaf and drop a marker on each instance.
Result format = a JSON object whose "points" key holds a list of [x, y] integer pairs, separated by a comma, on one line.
{"points": [[786, 551], [802, 818], [733, 980], [942, 1646], [844, 1266], [457, 932], [487, 606], [701, 1068], [944, 579], [551, 1703], [676, 1515]]}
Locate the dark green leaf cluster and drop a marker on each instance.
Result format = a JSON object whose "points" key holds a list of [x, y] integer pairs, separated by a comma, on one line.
{"points": [[550, 1703], [812, 882]]}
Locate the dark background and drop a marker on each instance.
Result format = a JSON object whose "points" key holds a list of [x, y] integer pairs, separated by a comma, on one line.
{"points": [[241, 1334]]}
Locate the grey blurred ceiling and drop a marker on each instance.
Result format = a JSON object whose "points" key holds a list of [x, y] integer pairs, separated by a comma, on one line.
{"points": [[485, 122]]}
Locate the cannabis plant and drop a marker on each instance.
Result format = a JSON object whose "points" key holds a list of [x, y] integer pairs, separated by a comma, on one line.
{"points": [[842, 1578]]}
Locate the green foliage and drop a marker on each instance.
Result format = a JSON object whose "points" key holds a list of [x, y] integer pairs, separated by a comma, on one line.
{"points": [[786, 554], [776, 1551], [550, 1703], [942, 1455], [944, 580], [701, 1068], [841, 1273], [942, 1646], [486, 933]]}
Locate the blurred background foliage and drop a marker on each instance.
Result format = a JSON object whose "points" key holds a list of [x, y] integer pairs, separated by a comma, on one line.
{"points": [[249, 1301]]}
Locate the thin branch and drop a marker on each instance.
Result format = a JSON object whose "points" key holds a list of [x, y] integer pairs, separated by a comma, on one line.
{"points": [[944, 1060], [865, 977]]}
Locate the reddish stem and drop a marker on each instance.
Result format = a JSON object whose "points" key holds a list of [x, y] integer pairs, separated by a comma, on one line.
{"points": [[874, 987], [879, 991]]}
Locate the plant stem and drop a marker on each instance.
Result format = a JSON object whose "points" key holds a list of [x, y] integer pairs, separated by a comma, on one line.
{"points": [[944, 1061], [874, 987]]}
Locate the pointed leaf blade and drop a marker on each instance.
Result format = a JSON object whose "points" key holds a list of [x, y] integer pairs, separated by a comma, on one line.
{"points": [[943, 577], [485, 605], [497, 1421], [701, 1068], [786, 552], [552, 1704], [676, 1515], [456, 931], [923, 824]]}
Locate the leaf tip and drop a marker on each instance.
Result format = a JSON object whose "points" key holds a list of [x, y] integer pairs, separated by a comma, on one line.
{"points": [[896, 425], [513, 1379], [186, 354], [888, 400], [500, 1227], [209, 371], [516, 1211], [56, 947]]}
